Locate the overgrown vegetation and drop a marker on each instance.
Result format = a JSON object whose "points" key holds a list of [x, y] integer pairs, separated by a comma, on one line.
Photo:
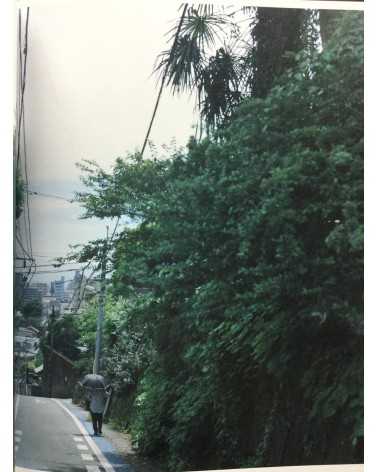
{"points": [[32, 314], [18, 195], [234, 332]]}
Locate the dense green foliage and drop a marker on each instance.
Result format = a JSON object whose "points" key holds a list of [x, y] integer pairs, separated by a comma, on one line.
{"points": [[19, 195], [31, 314], [236, 323], [124, 352], [278, 34], [62, 335]]}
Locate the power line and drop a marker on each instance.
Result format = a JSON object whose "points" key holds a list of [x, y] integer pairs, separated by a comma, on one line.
{"points": [[57, 264], [94, 270], [164, 77], [26, 226], [48, 256], [23, 76], [101, 306], [19, 82], [60, 281], [19, 241], [57, 271], [78, 289], [114, 230], [32, 274], [28, 278], [27, 184], [28, 252], [19, 90], [49, 195]]}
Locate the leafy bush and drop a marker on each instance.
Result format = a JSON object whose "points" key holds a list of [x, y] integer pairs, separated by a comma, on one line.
{"points": [[245, 276]]}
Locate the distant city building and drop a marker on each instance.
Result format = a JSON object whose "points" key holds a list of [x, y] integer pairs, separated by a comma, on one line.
{"points": [[19, 283], [50, 304], [31, 294], [26, 342], [77, 286], [42, 287], [57, 289]]}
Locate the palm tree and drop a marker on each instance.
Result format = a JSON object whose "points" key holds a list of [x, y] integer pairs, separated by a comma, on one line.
{"points": [[223, 56], [211, 56], [184, 65], [189, 65]]}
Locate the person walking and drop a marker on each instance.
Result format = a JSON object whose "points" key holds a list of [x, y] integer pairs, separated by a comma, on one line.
{"points": [[97, 401], [96, 397]]}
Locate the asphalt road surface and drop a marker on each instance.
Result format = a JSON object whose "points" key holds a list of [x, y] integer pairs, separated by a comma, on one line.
{"points": [[52, 436], [49, 438]]}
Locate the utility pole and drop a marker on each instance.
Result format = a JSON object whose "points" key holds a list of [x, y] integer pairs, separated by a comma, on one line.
{"points": [[101, 307], [51, 363]]}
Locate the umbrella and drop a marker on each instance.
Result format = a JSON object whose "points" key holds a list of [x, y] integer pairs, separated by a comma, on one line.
{"points": [[93, 381]]}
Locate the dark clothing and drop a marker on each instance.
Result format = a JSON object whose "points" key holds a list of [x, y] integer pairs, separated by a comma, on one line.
{"points": [[97, 422], [97, 397]]}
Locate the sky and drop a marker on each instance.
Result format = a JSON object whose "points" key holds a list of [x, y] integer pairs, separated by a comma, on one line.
{"points": [[89, 94]]}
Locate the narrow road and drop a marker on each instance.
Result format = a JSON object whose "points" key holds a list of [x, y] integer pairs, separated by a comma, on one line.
{"points": [[49, 438]]}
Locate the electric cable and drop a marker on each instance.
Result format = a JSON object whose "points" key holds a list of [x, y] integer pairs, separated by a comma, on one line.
{"points": [[78, 288], [19, 241], [49, 195], [27, 185], [57, 264], [163, 78], [23, 78], [57, 271]]}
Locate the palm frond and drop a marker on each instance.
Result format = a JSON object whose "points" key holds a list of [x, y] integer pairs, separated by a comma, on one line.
{"points": [[183, 66], [219, 86], [201, 28]]}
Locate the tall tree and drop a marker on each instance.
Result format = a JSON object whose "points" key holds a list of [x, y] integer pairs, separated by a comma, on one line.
{"points": [[328, 21], [277, 36], [247, 264], [215, 59]]}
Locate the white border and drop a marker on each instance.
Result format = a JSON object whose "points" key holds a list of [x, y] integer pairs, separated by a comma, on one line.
{"points": [[7, 88], [306, 4], [6, 92], [304, 468]]}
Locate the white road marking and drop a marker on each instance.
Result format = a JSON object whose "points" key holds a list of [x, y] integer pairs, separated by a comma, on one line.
{"points": [[16, 406], [82, 447], [77, 438], [87, 457], [15, 448], [103, 461], [17, 439], [24, 469], [93, 468], [18, 432]]}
